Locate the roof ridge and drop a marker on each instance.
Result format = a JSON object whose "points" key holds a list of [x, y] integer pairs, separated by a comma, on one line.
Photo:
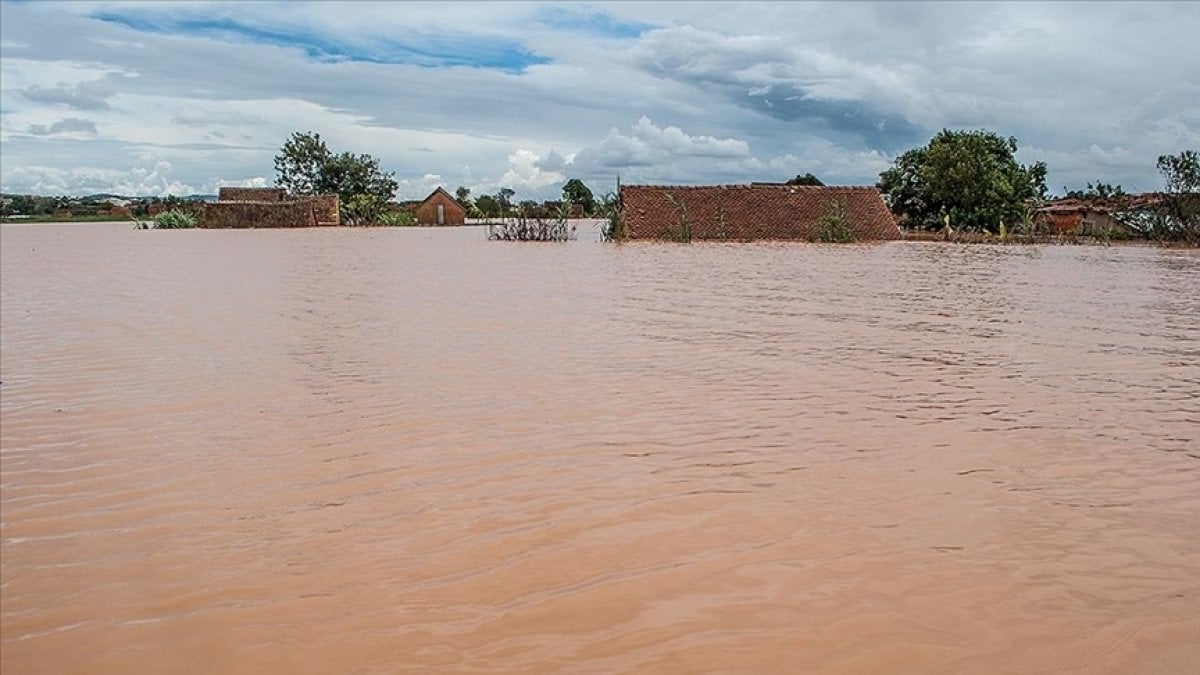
{"points": [[747, 186]]}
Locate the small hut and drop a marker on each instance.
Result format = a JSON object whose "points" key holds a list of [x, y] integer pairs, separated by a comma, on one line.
{"points": [[439, 208]]}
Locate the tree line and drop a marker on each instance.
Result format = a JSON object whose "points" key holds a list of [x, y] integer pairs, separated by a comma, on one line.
{"points": [[970, 180]]}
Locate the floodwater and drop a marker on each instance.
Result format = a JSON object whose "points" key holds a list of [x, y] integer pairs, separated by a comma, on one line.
{"points": [[415, 450]]}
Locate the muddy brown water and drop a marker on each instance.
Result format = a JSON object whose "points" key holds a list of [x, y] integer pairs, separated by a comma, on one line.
{"points": [[414, 450]]}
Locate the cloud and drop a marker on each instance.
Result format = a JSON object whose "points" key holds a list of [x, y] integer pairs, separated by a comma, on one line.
{"points": [[195, 116], [828, 93], [92, 95], [649, 145], [477, 93], [457, 48], [64, 126], [150, 178]]}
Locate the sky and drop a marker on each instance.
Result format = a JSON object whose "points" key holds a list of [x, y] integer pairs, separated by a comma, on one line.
{"points": [[156, 98]]}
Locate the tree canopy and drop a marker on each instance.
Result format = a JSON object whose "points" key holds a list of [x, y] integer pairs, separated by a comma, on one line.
{"points": [[305, 165], [1180, 217], [576, 192], [806, 179], [1098, 191], [971, 177]]}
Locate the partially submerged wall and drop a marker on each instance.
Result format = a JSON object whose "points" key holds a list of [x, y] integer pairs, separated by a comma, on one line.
{"points": [[244, 194], [320, 210], [748, 212], [225, 215], [327, 208]]}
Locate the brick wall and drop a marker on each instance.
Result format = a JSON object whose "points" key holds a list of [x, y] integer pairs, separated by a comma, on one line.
{"points": [[222, 215], [748, 212], [243, 194], [328, 209]]}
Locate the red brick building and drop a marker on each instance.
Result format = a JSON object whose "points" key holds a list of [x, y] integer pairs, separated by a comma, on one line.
{"points": [[747, 212], [439, 208]]}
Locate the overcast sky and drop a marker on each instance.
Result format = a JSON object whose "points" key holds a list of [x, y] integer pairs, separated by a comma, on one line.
{"points": [[156, 98]]}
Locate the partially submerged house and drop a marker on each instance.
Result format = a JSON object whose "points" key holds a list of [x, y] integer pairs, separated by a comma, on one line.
{"points": [[1092, 216], [746, 212], [270, 207], [439, 208]]}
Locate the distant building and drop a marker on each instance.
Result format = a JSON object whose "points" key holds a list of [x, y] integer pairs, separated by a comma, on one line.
{"points": [[1092, 216], [747, 212], [439, 208], [269, 207]]}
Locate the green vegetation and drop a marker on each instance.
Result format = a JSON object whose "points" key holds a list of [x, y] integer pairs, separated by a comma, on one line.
{"points": [[400, 218], [806, 179], [609, 208], [1176, 218], [1097, 192], [681, 229], [575, 192], [969, 177], [305, 166], [834, 225], [523, 227], [169, 220]]}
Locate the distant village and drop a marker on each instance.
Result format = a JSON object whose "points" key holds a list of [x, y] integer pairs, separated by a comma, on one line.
{"points": [[715, 211], [943, 190]]}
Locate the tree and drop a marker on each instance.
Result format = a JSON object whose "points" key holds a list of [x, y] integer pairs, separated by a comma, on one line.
{"points": [[576, 192], [806, 179], [300, 163], [305, 166], [463, 195], [487, 206], [969, 177], [1180, 217], [1098, 192], [504, 199]]}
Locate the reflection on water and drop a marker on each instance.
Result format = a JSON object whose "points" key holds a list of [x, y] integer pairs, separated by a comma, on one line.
{"points": [[414, 450]]}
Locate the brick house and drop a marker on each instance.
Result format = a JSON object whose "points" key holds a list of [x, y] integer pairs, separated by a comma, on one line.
{"points": [[439, 208], [1093, 216], [747, 212]]}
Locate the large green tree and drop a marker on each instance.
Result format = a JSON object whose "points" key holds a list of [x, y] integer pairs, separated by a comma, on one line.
{"points": [[300, 164], [576, 192], [967, 178], [305, 165]]}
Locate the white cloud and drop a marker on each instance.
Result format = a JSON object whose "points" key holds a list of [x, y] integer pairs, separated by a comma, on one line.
{"points": [[736, 92]]}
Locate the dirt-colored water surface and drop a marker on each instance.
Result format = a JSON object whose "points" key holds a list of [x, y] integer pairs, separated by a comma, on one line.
{"points": [[414, 450]]}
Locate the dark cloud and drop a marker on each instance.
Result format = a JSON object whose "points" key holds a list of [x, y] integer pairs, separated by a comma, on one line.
{"points": [[91, 95], [65, 125]]}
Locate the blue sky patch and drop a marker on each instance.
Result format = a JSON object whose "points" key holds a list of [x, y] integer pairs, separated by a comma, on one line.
{"points": [[591, 21], [430, 51]]}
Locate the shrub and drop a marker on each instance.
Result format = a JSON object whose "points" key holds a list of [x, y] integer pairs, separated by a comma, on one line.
{"points": [[610, 208], [363, 209], [175, 220], [524, 228], [834, 225], [401, 218]]}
